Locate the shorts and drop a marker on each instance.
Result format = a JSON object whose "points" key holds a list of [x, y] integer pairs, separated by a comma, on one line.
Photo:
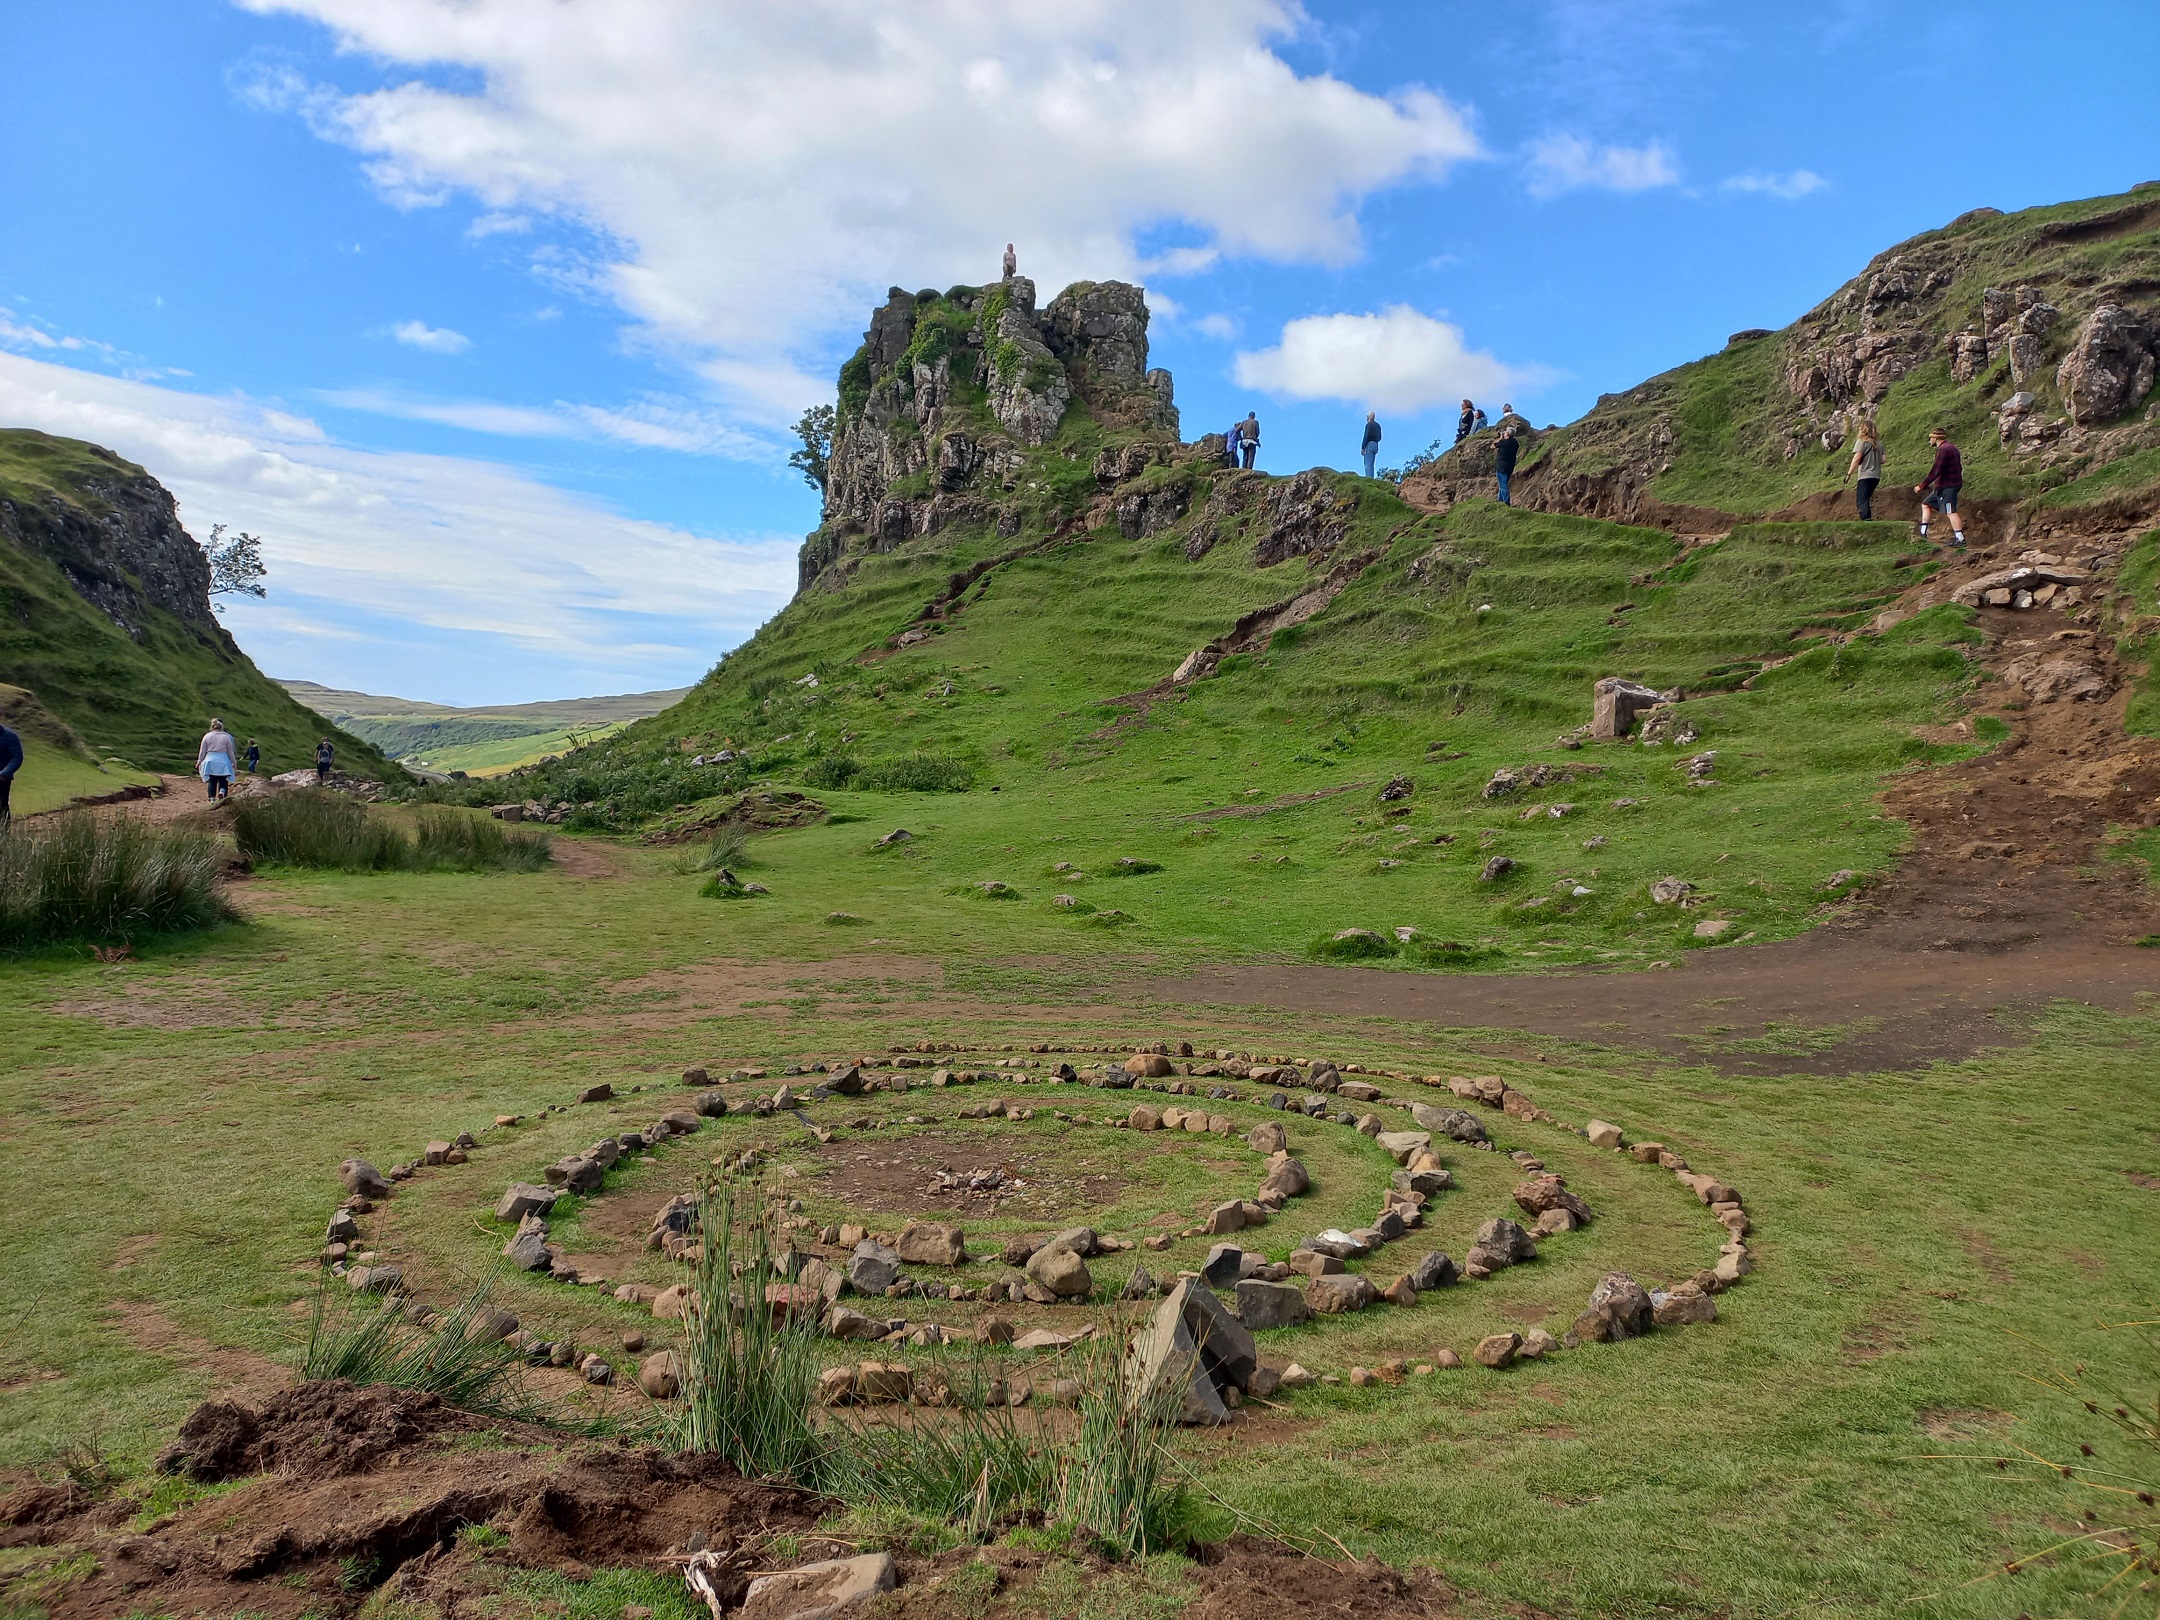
{"points": [[1943, 500]]}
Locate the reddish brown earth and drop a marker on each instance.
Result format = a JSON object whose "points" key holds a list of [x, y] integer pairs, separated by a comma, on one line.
{"points": [[341, 1496]]}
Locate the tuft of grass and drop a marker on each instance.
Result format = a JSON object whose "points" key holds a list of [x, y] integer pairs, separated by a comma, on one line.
{"points": [[728, 847], [750, 1371], [1354, 945], [312, 828], [916, 773], [83, 879], [369, 1340]]}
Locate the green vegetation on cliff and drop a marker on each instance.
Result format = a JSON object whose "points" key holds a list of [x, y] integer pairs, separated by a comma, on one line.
{"points": [[103, 614]]}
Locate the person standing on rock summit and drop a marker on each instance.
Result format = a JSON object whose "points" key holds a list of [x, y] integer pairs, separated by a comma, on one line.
{"points": [[1504, 451], [1865, 470], [214, 759], [1938, 491], [1231, 441], [1012, 261], [1370, 447], [1249, 431], [1463, 422]]}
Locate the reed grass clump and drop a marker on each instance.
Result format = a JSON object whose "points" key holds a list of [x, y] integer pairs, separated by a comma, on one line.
{"points": [[82, 878]]}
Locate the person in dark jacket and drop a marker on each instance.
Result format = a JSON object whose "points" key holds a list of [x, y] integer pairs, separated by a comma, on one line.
{"points": [[253, 757], [1504, 451], [325, 759], [1250, 428], [1370, 448], [1463, 422], [1938, 491], [11, 758]]}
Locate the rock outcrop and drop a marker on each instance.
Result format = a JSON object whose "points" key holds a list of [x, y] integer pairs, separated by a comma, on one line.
{"points": [[950, 392]]}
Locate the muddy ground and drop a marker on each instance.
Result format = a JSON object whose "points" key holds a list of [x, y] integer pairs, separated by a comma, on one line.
{"points": [[325, 1497]]}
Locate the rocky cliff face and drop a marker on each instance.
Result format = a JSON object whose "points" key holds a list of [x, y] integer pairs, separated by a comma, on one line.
{"points": [[120, 544], [950, 406]]}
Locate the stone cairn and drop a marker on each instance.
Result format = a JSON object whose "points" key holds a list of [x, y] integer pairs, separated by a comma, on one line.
{"points": [[1194, 1335]]}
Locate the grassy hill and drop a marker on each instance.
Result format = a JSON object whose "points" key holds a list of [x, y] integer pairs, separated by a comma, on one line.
{"points": [[1000, 597], [104, 614]]}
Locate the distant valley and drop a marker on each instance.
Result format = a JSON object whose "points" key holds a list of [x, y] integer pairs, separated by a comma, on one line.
{"points": [[480, 741]]}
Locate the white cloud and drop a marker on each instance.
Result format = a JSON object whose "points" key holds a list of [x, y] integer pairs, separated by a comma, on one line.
{"points": [[1217, 325], [1569, 163], [652, 423], [750, 176], [1398, 360], [434, 339], [1788, 186], [469, 578]]}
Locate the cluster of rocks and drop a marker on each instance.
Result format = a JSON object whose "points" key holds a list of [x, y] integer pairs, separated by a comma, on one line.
{"points": [[552, 812], [2038, 580]]}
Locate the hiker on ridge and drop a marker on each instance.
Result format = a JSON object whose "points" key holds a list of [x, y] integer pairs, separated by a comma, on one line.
{"points": [[1231, 441], [1478, 423], [254, 755], [11, 758], [1504, 451], [214, 757], [1250, 429], [325, 757], [1938, 491], [1463, 423], [1370, 447], [1865, 470], [1012, 261]]}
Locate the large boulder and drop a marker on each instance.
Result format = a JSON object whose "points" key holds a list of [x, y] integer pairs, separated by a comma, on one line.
{"points": [[1615, 703], [1263, 1304], [1500, 1243], [1435, 1270], [819, 1591], [1194, 1346], [1402, 1146], [931, 1243], [1059, 1269], [1548, 1191], [2110, 364], [1458, 1124], [363, 1179], [1620, 1308], [872, 1268], [528, 1250], [1285, 1180], [579, 1173], [1346, 1291]]}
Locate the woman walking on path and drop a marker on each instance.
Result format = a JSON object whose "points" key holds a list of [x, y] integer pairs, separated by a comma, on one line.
{"points": [[1938, 491], [1865, 470], [1371, 447], [325, 757], [214, 760]]}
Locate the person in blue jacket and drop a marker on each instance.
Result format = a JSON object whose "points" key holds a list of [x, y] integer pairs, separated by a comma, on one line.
{"points": [[11, 758], [1370, 448]]}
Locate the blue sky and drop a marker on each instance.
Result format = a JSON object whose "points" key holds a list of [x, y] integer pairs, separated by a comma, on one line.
{"points": [[491, 318]]}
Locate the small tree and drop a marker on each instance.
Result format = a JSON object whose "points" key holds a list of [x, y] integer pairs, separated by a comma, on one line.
{"points": [[815, 429], [236, 565]]}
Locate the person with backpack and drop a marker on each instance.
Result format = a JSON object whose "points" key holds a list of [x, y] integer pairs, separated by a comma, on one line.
{"points": [[1370, 447], [1865, 470], [325, 758], [1504, 451], [1464, 423], [214, 757], [11, 759], [1250, 427], [1938, 491], [254, 755]]}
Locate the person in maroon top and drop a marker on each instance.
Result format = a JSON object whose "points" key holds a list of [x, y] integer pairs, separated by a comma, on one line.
{"points": [[1938, 492]]}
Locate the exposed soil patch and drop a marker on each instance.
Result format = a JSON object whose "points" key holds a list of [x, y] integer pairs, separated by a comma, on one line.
{"points": [[902, 1178], [373, 1493]]}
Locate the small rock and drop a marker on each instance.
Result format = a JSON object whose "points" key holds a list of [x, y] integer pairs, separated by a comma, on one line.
{"points": [[1604, 1134], [819, 1591], [359, 1176], [1497, 1350], [1334, 1295], [660, 1376]]}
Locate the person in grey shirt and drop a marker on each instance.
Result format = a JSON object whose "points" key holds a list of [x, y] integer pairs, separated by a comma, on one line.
{"points": [[1865, 470]]}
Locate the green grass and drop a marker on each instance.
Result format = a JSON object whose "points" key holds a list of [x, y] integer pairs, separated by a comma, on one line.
{"points": [[81, 879], [307, 827], [52, 778], [497, 756], [1910, 1225]]}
